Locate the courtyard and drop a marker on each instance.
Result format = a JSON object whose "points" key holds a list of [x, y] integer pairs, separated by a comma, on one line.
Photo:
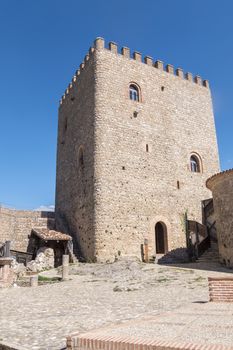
{"points": [[100, 295]]}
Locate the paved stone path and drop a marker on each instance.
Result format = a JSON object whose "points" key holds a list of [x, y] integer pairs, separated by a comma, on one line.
{"points": [[209, 325], [97, 295]]}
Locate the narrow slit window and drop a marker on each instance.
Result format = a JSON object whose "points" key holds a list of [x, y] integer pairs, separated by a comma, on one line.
{"points": [[81, 158], [64, 129]]}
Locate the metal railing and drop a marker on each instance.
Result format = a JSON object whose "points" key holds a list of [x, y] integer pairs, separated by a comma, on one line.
{"points": [[197, 237], [208, 208]]}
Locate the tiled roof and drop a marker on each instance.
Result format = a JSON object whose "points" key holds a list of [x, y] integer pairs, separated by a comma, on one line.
{"points": [[50, 235], [209, 181]]}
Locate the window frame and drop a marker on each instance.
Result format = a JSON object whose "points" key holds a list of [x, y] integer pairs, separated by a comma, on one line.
{"points": [[134, 92], [195, 163]]}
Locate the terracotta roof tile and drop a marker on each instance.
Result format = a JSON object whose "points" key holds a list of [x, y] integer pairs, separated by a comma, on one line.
{"points": [[210, 179], [50, 235]]}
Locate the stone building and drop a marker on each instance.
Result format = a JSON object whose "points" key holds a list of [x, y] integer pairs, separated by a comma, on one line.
{"points": [[28, 232], [16, 226], [221, 185], [136, 144]]}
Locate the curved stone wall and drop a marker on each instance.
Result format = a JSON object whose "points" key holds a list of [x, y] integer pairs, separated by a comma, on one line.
{"points": [[221, 186]]}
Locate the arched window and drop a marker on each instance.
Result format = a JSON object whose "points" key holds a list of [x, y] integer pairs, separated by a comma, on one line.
{"points": [[133, 92], [195, 164]]}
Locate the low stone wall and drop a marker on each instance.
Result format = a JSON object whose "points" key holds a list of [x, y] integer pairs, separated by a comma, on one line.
{"points": [[6, 273], [16, 225]]}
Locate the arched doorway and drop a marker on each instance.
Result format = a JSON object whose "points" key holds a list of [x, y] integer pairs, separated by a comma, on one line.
{"points": [[160, 238]]}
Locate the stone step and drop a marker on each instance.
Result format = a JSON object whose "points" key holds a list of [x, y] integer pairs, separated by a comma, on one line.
{"points": [[223, 296], [209, 257], [210, 254], [73, 258], [223, 285], [221, 300], [214, 261], [220, 296], [208, 260], [212, 249], [221, 290]]}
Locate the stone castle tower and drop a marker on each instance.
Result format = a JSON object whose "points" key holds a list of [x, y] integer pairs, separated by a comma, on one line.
{"points": [[136, 144]]}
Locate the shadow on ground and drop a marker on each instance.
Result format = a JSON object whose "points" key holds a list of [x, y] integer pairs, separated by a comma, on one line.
{"points": [[210, 266]]}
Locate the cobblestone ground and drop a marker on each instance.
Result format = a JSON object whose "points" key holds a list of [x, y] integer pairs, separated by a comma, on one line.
{"points": [[96, 295]]}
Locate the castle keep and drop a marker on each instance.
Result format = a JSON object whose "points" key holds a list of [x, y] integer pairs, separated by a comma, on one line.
{"points": [[136, 144]]}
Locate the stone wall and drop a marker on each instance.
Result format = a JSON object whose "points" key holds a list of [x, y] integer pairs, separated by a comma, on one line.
{"points": [[16, 225], [137, 154], [75, 162], [221, 186]]}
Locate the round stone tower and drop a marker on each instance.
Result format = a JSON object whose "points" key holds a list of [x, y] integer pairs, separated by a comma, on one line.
{"points": [[221, 186]]}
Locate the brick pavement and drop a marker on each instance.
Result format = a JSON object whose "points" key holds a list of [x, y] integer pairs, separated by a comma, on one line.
{"points": [[195, 326]]}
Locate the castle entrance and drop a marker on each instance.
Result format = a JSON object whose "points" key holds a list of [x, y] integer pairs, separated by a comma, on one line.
{"points": [[160, 238]]}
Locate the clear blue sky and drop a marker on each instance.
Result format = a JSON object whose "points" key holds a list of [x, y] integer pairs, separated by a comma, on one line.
{"points": [[43, 42]]}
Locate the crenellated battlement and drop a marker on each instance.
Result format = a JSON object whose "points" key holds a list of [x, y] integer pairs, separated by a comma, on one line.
{"points": [[137, 56], [99, 44], [77, 76]]}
